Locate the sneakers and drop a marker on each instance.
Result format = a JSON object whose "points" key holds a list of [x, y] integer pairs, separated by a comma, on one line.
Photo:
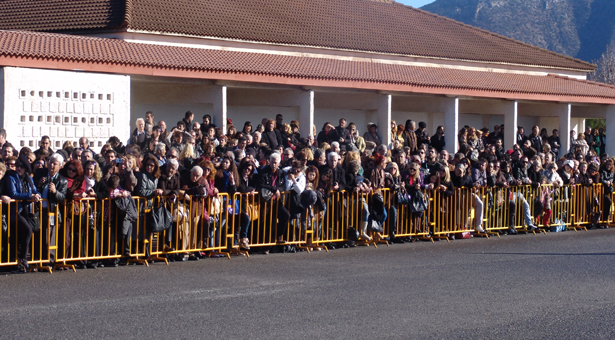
{"points": [[512, 231], [479, 229], [532, 227], [366, 237], [245, 244]]}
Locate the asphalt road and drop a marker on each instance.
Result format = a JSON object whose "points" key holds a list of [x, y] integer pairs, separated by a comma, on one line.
{"points": [[555, 286]]}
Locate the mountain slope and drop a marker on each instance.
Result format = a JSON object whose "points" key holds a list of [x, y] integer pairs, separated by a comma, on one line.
{"points": [[577, 28]]}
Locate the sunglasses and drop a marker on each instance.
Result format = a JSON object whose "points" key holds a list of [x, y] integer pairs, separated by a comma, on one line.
{"points": [[71, 169], [20, 166]]}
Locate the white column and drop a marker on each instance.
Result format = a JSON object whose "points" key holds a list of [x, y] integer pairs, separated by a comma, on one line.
{"points": [[510, 124], [218, 98], [451, 124], [306, 113], [610, 130], [383, 117], [564, 129]]}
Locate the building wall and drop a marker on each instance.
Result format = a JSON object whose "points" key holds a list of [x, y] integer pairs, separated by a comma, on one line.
{"points": [[64, 106]]}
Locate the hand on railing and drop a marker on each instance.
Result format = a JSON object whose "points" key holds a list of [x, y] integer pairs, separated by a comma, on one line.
{"points": [[5, 199], [35, 197]]}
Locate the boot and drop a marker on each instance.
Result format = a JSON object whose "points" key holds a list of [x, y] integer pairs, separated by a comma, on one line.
{"points": [[364, 235]]}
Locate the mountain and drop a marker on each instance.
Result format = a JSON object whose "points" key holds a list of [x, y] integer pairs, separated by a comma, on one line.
{"points": [[577, 28]]}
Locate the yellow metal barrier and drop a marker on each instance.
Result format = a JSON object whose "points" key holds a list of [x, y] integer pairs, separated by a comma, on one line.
{"points": [[91, 230], [39, 252]]}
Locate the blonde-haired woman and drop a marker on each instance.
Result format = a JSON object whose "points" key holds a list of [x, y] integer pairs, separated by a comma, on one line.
{"points": [[186, 156]]}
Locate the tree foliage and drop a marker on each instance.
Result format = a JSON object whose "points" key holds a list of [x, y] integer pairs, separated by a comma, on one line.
{"points": [[605, 70]]}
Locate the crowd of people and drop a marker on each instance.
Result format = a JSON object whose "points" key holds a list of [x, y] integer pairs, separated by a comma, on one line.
{"points": [[272, 157]]}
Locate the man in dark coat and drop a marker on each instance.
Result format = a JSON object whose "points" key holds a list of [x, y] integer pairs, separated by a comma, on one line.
{"points": [[273, 180], [53, 187]]}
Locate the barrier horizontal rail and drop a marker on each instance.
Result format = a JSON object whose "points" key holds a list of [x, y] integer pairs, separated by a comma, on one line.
{"points": [[92, 230]]}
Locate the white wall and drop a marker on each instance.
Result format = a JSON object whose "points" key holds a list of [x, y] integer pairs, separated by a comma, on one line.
{"points": [[64, 105]]}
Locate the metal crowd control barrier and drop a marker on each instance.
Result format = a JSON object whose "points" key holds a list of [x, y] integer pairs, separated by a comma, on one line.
{"points": [[91, 230], [10, 233], [87, 230], [200, 224]]}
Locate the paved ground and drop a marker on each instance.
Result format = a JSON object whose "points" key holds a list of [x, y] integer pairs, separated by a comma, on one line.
{"points": [[555, 286]]}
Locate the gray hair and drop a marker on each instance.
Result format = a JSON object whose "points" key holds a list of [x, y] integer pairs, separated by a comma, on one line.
{"points": [[256, 133], [275, 156], [196, 170], [173, 149], [173, 162], [333, 155], [140, 120], [56, 157], [290, 150], [335, 145], [160, 146]]}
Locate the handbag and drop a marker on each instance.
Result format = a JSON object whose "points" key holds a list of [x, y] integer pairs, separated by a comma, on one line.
{"points": [[159, 219], [266, 194], [32, 218], [403, 197], [353, 234], [375, 226], [419, 203], [215, 206], [79, 208], [253, 210]]}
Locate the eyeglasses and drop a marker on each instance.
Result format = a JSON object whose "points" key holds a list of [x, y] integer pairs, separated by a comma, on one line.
{"points": [[171, 156]]}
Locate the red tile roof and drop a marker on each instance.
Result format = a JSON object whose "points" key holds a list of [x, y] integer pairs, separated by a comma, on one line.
{"points": [[38, 48], [340, 24]]}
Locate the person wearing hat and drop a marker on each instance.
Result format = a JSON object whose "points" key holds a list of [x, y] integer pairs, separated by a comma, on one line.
{"points": [[567, 174], [371, 135], [20, 186]]}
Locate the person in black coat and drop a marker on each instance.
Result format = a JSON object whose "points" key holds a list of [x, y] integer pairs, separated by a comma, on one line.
{"points": [[53, 187], [273, 179], [271, 136]]}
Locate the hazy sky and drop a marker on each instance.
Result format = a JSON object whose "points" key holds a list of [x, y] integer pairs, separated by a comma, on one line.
{"points": [[415, 3]]}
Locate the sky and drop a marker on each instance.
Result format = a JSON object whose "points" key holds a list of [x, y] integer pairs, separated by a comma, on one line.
{"points": [[415, 3]]}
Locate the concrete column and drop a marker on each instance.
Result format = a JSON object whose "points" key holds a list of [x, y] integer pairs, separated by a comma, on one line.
{"points": [[383, 117], [610, 130], [218, 98], [510, 124], [564, 128], [305, 102], [451, 124]]}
